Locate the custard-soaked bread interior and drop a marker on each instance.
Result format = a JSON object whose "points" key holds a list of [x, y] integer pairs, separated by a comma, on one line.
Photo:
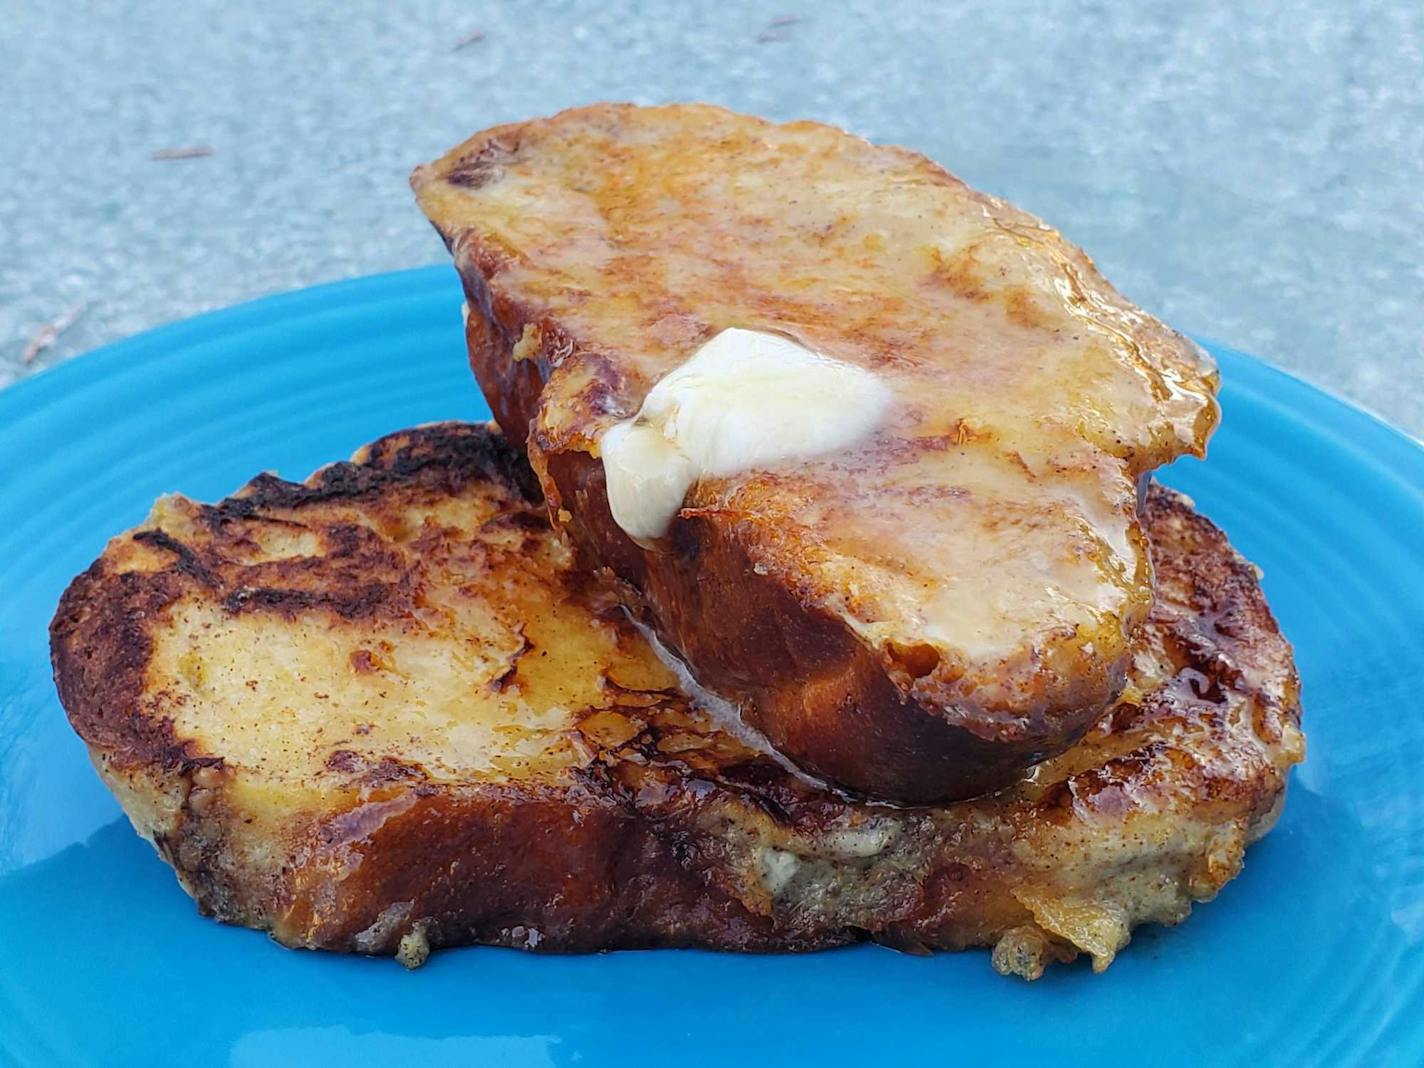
{"points": [[380, 711], [917, 615]]}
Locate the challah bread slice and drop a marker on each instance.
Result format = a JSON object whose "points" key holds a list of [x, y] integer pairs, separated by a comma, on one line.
{"points": [[380, 712]]}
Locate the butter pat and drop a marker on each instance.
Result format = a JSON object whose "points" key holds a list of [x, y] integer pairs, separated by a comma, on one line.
{"points": [[745, 401]]}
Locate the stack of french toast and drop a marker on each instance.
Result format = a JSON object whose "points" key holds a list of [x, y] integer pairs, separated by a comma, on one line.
{"points": [[812, 587]]}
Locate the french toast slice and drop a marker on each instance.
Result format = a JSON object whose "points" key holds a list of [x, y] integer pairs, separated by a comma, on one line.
{"points": [[919, 615], [381, 711]]}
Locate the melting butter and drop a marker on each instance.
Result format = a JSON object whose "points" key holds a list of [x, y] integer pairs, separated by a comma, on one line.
{"points": [[744, 401]]}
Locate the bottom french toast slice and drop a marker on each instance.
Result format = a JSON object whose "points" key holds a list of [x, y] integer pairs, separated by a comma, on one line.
{"points": [[381, 712]]}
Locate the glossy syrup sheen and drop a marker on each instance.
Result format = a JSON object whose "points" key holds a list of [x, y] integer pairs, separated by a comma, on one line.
{"points": [[1314, 956]]}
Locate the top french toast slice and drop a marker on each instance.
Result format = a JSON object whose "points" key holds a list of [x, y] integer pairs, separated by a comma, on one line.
{"points": [[917, 616]]}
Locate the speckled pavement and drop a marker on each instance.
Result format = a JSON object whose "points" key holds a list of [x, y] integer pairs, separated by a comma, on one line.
{"points": [[1248, 172]]}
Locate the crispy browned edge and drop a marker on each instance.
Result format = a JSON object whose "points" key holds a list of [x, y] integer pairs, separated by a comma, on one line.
{"points": [[853, 715], [99, 637], [622, 856]]}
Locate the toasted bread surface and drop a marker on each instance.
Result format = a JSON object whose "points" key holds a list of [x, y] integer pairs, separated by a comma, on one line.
{"points": [[920, 616], [381, 711]]}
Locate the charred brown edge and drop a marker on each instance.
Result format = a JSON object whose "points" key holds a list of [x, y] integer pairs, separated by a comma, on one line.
{"points": [[100, 650], [100, 646], [1224, 585], [446, 456]]}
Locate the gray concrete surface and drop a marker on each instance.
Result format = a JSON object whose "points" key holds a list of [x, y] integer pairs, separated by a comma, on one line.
{"points": [[1251, 172]]}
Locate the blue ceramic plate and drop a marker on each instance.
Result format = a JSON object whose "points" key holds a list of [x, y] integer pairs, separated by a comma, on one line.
{"points": [[1314, 955]]}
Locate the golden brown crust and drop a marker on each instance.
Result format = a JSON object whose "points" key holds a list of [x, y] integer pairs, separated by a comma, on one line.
{"points": [[881, 614], [601, 809]]}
